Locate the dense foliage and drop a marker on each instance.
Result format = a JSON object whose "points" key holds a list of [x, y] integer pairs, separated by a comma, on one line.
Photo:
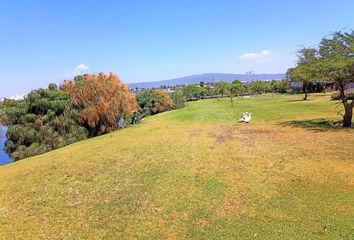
{"points": [[192, 92], [221, 88], [332, 61], [152, 102], [44, 121], [259, 87], [100, 100], [178, 98], [48, 119], [236, 88]]}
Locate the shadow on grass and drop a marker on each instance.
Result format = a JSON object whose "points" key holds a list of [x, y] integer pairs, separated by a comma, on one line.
{"points": [[299, 100], [318, 125]]}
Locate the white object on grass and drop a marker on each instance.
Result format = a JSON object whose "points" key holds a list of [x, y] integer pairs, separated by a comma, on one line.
{"points": [[247, 118], [242, 119]]}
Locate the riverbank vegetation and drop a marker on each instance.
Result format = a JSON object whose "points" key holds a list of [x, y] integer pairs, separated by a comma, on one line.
{"points": [[87, 106], [44, 121]]}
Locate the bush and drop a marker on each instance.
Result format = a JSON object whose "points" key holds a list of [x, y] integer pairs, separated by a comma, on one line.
{"points": [[28, 118], [42, 122], [178, 99], [152, 102], [50, 118]]}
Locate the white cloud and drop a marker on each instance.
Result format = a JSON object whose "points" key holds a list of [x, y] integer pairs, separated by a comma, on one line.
{"points": [[81, 67], [78, 70], [18, 96], [262, 55]]}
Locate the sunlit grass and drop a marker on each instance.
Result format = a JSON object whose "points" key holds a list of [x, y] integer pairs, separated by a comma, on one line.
{"points": [[193, 173]]}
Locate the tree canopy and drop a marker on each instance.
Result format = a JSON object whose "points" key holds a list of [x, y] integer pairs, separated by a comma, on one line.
{"points": [[221, 88], [152, 102], [100, 100], [332, 61], [42, 122]]}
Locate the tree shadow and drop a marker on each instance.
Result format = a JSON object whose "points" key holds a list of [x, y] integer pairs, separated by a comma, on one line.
{"points": [[299, 100], [317, 125]]}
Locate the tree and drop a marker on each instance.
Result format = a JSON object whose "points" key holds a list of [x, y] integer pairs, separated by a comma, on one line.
{"points": [[236, 88], [203, 91], [43, 121], [178, 99], [191, 91], [284, 85], [100, 100], [221, 88], [259, 87], [306, 71], [336, 64], [274, 86], [52, 86], [153, 101], [333, 61]]}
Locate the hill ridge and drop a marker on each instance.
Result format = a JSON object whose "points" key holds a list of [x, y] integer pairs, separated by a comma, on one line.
{"points": [[209, 77]]}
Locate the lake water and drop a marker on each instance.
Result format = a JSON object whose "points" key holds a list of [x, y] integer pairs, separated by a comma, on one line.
{"points": [[4, 158]]}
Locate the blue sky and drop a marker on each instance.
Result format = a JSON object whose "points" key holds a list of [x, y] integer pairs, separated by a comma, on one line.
{"points": [[49, 41]]}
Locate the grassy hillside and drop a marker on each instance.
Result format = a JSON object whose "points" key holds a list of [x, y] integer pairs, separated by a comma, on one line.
{"points": [[193, 173]]}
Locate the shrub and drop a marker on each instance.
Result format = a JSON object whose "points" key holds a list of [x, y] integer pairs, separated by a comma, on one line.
{"points": [[42, 122], [152, 102], [178, 99]]}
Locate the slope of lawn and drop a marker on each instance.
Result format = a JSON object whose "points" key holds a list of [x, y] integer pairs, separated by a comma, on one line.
{"points": [[193, 173]]}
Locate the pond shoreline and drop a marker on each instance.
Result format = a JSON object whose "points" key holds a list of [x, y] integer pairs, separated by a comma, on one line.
{"points": [[4, 158]]}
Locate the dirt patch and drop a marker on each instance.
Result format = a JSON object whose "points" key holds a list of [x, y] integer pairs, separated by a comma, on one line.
{"points": [[223, 133], [255, 132]]}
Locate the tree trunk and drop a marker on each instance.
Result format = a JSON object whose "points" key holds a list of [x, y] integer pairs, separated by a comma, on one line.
{"points": [[348, 107], [305, 90], [231, 99], [348, 114]]}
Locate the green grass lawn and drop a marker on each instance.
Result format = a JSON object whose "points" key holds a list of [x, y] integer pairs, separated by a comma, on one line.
{"points": [[193, 173]]}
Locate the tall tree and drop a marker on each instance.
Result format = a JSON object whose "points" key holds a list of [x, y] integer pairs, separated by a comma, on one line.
{"points": [[221, 88], [101, 100], [274, 86], [191, 91], [337, 65], [333, 61], [259, 87], [236, 88], [305, 72]]}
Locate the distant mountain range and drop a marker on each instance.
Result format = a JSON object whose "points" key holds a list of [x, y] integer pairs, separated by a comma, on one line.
{"points": [[208, 77]]}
